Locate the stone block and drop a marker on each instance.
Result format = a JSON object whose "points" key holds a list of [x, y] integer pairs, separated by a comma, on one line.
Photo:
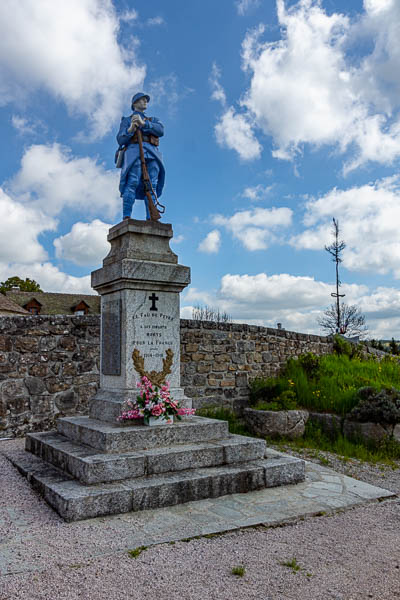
{"points": [[288, 423], [26, 344], [374, 432], [54, 385], [121, 438], [66, 401], [35, 386], [41, 405], [13, 388], [5, 343]]}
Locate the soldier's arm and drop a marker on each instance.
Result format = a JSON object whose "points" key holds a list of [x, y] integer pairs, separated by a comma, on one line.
{"points": [[153, 127], [124, 136]]}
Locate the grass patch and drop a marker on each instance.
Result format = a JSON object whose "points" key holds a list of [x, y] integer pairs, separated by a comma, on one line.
{"points": [[325, 384], [386, 452], [292, 564], [239, 571], [235, 424], [136, 552]]}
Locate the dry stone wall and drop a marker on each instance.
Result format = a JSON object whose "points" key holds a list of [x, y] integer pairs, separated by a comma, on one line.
{"points": [[219, 359], [49, 366]]}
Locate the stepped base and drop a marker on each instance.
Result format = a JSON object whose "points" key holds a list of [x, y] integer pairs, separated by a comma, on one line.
{"points": [[86, 465], [89, 468], [74, 501]]}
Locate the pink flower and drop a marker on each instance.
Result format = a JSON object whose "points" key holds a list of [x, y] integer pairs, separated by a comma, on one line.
{"points": [[157, 410]]}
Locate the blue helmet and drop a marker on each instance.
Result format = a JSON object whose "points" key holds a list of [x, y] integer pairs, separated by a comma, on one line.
{"points": [[137, 97]]}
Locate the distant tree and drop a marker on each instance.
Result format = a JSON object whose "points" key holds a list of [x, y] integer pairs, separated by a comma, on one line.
{"points": [[207, 313], [393, 347], [352, 321], [377, 344], [27, 285]]}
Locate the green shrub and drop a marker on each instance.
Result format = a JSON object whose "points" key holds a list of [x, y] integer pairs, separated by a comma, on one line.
{"points": [[286, 401], [377, 406], [310, 364], [266, 389]]}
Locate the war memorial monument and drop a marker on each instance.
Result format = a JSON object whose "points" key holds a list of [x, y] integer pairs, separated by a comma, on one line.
{"points": [[135, 453]]}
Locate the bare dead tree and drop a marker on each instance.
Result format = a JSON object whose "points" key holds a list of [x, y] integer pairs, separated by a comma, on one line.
{"points": [[351, 320], [340, 317], [335, 250], [207, 313]]}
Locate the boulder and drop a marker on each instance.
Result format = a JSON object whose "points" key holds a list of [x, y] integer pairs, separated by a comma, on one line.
{"points": [[288, 423]]}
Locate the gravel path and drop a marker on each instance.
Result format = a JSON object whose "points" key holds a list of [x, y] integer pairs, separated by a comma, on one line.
{"points": [[350, 555]]}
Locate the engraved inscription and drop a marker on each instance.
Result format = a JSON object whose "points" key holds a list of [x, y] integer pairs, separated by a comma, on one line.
{"points": [[154, 332], [111, 338]]}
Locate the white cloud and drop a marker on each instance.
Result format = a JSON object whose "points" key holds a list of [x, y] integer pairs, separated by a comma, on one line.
{"points": [[218, 92], [50, 278], [178, 239], [71, 50], [52, 179], [244, 6], [27, 126], [85, 244], [257, 192], [256, 228], [235, 131], [20, 227], [167, 92], [154, 21], [297, 302], [211, 243], [306, 88], [368, 219]]}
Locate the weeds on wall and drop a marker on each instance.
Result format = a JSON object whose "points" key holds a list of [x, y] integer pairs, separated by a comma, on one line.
{"points": [[328, 383]]}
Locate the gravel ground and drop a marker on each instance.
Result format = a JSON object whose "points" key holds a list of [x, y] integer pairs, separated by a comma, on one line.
{"points": [[349, 555]]}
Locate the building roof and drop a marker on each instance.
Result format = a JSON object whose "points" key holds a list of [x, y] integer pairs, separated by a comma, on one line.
{"points": [[56, 304], [9, 306]]}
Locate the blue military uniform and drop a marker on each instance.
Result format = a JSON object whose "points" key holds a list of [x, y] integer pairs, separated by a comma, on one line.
{"points": [[131, 184]]}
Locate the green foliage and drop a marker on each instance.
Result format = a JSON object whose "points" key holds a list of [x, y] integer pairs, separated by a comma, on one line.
{"points": [[27, 285], [225, 414], [377, 406], [136, 552], [286, 401], [267, 389], [386, 451], [292, 564], [310, 364], [238, 571], [342, 347]]}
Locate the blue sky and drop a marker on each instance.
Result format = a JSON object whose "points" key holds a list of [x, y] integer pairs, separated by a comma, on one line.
{"points": [[278, 117]]}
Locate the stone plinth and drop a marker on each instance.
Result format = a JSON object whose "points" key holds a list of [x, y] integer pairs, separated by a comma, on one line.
{"points": [[93, 466], [139, 284]]}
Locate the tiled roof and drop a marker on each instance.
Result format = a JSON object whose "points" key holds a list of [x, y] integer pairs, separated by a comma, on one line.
{"points": [[56, 304], [7, 305]]}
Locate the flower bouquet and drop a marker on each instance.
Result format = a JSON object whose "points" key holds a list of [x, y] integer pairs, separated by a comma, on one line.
{"points": [[154, 405]]}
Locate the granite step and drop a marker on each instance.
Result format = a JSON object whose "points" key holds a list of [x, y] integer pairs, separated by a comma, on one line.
{"points": [[112, 438], [90, 467], [74, 501]]}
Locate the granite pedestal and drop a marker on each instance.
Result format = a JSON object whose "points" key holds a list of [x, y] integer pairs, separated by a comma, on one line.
{"points": [[94, 466]]}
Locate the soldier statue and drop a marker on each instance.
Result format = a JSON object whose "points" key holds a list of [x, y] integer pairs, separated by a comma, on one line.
{"points": [[142, 168]]}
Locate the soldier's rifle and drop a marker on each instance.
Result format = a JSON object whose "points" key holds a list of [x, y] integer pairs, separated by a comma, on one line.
{"points": [[147, 186]]}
